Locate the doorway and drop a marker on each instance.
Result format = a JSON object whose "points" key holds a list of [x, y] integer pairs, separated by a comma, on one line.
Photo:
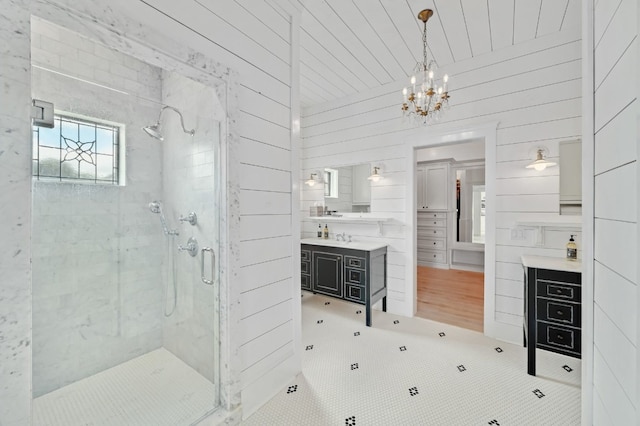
{"points": [[450, 228]]}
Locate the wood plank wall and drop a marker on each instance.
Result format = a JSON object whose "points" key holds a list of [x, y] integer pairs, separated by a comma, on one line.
{"points": [[533, 89], [615, 309]]}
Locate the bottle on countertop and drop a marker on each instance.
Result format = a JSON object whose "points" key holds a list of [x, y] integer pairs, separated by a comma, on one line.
{"points": [[319, 231], [325, 232], [572, 249]]}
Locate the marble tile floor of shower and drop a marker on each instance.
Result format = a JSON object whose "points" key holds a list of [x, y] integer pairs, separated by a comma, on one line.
{"points": [[412, 371], [155, 389]]}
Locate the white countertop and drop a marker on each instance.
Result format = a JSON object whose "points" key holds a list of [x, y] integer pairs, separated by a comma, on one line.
{"points": [[553, 263], [354, 245]]}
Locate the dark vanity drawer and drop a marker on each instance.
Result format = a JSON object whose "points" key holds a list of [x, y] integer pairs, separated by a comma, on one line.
{"points": [[561, 276], [354, 262], [559, 291], [560, 339], [558, 312], [305, 282], [354, 293], [305, 255], [305, 268], [355, 276]]}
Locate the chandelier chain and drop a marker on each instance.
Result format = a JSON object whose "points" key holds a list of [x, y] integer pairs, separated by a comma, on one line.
{"points": [[424, 47]]}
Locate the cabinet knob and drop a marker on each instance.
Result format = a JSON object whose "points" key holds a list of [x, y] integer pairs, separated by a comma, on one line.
{"points": [[559, 313], [434, 243], [434, 255], [559, 337]]}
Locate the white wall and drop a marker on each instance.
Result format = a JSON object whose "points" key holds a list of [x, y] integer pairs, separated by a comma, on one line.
{"points": [[257, 46], [533, 90], [615, 263]]}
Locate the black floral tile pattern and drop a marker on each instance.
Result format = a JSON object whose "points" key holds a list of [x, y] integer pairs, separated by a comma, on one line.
{"points": [[309, 347], [396, 322], [494, 423], [350, 421], [327, 303], [357, 333], [538, 393], [354, 366], [462, 368], [567, 368], [320, 321], [413, 391], [499, 349], [292, 389], [441, 334], [358, 312], [403, 348]]}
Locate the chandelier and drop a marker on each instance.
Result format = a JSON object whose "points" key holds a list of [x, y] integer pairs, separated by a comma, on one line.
{"points": [[424, 99]]}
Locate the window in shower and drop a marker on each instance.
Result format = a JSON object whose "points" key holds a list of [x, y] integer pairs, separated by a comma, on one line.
{"points": [[78, 149]]}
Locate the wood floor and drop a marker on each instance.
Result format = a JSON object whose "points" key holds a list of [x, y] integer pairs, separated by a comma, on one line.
{"points": [[451, 296]]}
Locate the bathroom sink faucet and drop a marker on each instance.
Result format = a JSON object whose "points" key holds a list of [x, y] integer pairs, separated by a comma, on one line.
{"points": [[340, 237]]}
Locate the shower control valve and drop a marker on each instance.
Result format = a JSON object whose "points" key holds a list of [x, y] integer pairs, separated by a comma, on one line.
{"points": [[191, 218], [191, 247]]}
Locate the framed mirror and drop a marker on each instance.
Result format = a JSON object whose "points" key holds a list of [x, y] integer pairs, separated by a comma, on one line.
{"points": [[470, 200], [347, 189]]}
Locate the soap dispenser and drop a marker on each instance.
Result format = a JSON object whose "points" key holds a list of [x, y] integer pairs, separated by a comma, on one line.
{"points": [[325, 232], [572, 249], [319, 231]]}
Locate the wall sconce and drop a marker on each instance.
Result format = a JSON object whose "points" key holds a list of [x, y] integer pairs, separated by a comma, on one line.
{"points": [[312, 179], [540, 163], [375, 176]]}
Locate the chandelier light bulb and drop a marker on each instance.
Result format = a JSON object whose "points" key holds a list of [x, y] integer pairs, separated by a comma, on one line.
{"points": [[445, 78], [413, 79]]}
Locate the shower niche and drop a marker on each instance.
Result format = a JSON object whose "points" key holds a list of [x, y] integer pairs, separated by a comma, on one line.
{"points": [[117, 303]]}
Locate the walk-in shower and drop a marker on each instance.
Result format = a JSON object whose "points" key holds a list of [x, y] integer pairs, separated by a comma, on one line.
{"points": [[124, 330], [155, 130]]}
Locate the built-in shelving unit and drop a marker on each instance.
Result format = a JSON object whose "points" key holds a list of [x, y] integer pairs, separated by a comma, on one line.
{"points": [[353, 219]]}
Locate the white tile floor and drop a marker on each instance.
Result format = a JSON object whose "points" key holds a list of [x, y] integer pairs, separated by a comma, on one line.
{"points": [[406, 371], [155, 389]]}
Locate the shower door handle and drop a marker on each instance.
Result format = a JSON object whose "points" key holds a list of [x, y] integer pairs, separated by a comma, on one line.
{"points": [[213, 265]]}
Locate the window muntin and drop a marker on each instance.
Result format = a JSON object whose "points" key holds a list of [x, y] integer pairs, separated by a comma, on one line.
{"points": [[77, 149]]}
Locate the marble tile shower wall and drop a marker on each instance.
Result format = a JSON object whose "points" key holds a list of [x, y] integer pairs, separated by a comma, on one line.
{"points": [[189, 179], [97, 285]]}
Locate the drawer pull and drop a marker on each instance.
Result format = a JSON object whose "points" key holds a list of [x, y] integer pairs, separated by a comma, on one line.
{"points": [[559, 337], [559, 313]]}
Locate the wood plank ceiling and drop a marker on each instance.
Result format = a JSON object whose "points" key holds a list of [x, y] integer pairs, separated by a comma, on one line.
{"points": [[348, 46]]}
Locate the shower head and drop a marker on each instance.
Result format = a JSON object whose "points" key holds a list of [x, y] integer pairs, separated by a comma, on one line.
{"points": [[154, 207], [155, 131]]}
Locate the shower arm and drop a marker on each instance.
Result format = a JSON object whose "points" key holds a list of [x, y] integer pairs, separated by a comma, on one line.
{"points": [[184, 129]]}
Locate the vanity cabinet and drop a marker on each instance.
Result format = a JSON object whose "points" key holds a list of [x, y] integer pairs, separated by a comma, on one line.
{"points": [[431, 188], [356, 274], [553, 309]]}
